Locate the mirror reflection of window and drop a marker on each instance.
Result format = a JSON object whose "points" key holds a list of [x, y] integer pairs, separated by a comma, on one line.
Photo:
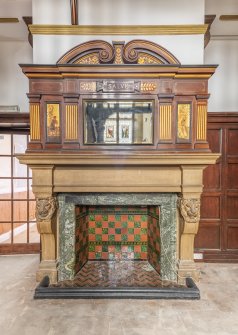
{"points": [[118, 122]]}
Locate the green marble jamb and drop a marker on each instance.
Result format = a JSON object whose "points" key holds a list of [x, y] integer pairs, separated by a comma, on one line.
{"points": [[67, 221], [168, 227]]}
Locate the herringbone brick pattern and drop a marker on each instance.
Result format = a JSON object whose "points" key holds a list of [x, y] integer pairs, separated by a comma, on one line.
{"points": [[116, 274]]}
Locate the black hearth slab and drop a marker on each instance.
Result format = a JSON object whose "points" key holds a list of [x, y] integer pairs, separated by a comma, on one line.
{"points": [[190, 292]]}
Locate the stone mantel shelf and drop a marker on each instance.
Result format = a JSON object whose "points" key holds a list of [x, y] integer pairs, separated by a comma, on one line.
{"points": [[117, 159]]}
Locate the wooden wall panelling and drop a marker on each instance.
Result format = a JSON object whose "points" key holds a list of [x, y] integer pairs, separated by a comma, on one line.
{"points": [[217, 237]]}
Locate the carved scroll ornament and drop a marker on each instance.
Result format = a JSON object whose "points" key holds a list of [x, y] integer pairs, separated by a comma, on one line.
{"points": [[190, 210], [45, 208], [134, 52]]}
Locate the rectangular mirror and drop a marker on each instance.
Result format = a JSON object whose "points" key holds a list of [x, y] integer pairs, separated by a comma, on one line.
{"points": [[118, 121]]}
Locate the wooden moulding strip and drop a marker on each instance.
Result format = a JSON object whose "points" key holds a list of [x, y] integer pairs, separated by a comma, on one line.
{"points": [[202, 122], [186, 29], [71, 132], [165, 122], [35, 122]]}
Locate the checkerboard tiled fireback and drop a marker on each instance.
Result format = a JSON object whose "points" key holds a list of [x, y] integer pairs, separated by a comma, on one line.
{"points": [[113, 232]]}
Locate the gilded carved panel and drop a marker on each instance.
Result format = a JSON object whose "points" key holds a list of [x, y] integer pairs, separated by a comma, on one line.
{"points": [[183, 121], [53, 129]]}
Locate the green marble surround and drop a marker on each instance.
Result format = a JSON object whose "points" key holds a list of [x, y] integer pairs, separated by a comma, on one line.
{"points": [[168, 226]]}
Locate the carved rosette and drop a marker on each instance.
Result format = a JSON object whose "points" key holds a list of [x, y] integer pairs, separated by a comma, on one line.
{"points": [[190, 210], [45, 208]]}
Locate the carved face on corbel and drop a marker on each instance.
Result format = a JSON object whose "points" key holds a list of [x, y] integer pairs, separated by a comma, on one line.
{"points": [[45, 208], [190, 210]]}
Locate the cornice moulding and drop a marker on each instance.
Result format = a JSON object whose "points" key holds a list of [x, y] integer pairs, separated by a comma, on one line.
{"points": [[118, 159], [9, 20], [188, 29]]}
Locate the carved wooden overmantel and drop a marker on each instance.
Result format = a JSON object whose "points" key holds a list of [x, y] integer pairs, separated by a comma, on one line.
{"points": [[172, 162]]}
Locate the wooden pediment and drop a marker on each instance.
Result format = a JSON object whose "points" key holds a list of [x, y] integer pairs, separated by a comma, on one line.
{"points": [[134, 52]]}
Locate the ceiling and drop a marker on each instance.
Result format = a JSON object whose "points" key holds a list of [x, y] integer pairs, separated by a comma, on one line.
{"points": [[19, 8]]}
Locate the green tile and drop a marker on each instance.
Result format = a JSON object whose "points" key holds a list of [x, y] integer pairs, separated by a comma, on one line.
{"points": [[111, 238], [111, 224], [92, 217], [144, 218], [143, 231], [137, 255], [105, 248], [111, 256], [124, 238], [137, 238], [130, 217], [98, 238], [98, 224], [98, 255], [144, 248], [91, 230], [118, 248], [130, 248], [91, 247], [130, 230], [137, 224], [118, 217], [105, 230], [118, 230], [105, 217]]}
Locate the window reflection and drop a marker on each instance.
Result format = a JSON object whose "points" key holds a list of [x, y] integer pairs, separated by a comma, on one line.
{"points": [[118, 122]]}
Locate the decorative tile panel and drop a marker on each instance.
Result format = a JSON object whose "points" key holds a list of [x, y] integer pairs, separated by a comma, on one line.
{"points": [[117, 232]]}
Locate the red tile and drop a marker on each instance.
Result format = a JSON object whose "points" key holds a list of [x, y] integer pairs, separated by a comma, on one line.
{"points": [[118, 237], [104, 237], [137, 248], [117, 224], [91, 255], [111, 231], [131, 224], [144, 255], [144, 224], [124, 231], [92, 237], [98, 230], [130, 238], [124, 217], [137, 231], [98, 217], [104, 224], [143, 238], [105, 255]]}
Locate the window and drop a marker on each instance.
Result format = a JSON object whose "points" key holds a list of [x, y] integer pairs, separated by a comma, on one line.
{"points": [[17, 202]]}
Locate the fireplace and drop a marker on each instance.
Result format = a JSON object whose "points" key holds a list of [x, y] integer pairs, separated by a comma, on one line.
{"points": [[118, 227], [117, 151]]}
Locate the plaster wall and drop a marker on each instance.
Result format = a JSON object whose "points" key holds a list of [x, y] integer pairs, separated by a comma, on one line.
{"points": [[188, 48], [13, 84], [223, 85]]}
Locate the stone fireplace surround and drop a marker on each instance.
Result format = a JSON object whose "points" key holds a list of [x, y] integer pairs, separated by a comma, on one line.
{"points": [[66, 168], [172, 181], [167, 225]]}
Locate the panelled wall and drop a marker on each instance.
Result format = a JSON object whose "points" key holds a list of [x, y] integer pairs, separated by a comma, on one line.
{"points": [[217, 237]]}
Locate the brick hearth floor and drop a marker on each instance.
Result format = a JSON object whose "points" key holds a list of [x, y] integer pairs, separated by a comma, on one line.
{"points": [[116, 274]]}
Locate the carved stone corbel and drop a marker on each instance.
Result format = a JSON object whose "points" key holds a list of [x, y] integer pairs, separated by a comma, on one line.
{"points": [[46, 209], [190, 210], [190, 215]]}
